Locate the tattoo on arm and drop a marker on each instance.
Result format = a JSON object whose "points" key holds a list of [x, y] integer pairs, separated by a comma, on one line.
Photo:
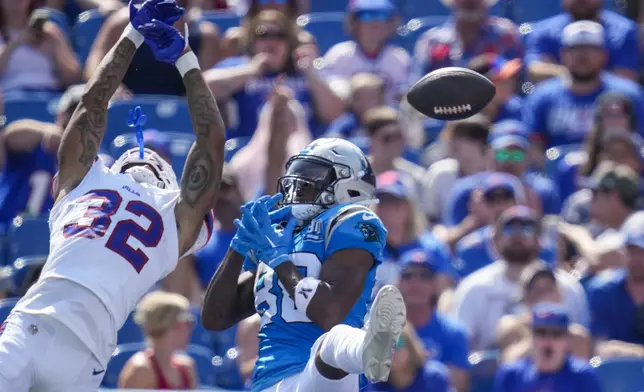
{"points": [[202, 173], [84, 133]]}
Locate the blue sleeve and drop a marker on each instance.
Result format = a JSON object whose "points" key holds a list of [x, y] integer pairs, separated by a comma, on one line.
{"points": [[589, 381], [539, 44], [628, 55], [356, 227], [432, 377], [457, 205], [503, 380], [458, 349], [599, 325], [340, 127]]}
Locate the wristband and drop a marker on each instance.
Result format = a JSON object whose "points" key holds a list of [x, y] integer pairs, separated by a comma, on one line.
{"points": [[304, 293], [186, 63], [133, 35]]}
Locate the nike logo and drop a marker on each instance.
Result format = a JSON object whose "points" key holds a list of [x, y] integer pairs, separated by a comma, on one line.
{"points": [[96, 373], [368, 216]]}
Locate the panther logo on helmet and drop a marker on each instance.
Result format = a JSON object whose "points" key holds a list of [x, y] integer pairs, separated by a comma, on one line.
{"points": [[151, 169], [325, 173]]}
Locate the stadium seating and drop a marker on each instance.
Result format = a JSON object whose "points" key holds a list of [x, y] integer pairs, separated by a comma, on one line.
{"points": [[6, 305], [33, 105], [86, 29], [326, 27], [530, 10], [164, 113], [409, 32], [120, 356], [26, 271], [620, 374], [483, 370], [200, 335], [223, 20], [180, 143], [329, 5], [233, 145], [29, 237], [203, 363], [227, 370], [130, 332]]}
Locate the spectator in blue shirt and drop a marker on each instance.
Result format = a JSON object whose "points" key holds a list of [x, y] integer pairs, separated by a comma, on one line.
{"points": [[561, 110], [476, 250], [445, 339], [246, 81], [406, 234], [366, 92], [412, 370], [551, 367], [505, 105], [543, 45], [617, 302]]}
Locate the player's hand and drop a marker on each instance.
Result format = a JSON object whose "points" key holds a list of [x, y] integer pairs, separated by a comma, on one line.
{"points": [[166, 42], [166, 11], [242, 242], [272, 245]]}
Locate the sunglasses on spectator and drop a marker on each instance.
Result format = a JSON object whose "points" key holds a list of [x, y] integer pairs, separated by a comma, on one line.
{"points": [[264, 2], [510, 156], [525, 229], [549, 333], [263, 33], [422, 273], [498, 195], [373, 16]]}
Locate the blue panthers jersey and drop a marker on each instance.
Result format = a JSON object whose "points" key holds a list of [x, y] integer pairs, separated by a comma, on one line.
{"points": [[287, 335], [25, 185]]}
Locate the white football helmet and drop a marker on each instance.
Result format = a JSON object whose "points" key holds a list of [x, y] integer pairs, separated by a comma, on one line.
{"points": [[325, 173], [152, 169]]}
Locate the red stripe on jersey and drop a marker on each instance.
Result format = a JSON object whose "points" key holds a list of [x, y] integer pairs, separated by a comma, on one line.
{"points": [[209, 221]]}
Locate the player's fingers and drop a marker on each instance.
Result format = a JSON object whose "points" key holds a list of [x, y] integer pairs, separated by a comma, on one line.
{"points": [[281, 214], [260, 213], [290, 228], [272, 201], [249, 220]]}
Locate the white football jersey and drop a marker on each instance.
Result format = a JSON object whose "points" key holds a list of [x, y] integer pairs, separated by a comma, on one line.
{"points": [[114, 237]]}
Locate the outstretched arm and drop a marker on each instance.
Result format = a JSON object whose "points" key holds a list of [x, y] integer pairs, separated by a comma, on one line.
{"points": [[202, 172], [84, 133]]}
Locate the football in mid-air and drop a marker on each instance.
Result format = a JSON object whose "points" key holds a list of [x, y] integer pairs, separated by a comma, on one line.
{"points": [[451, 93]]}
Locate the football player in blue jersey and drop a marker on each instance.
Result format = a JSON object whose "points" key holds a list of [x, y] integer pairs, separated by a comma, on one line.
{"points": [[313, 279]]}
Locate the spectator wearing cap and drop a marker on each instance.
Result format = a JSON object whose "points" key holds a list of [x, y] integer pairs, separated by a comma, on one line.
{"points": [[467, 147], [145, 74], [617, 302], [614, 114], [505, 105], [543, 46], [469, 33], [619, 147], [371, 25], [551, 366], [443, 338], [387, 144], [614, 193], [366, 92], [167, 323], [511, 149], [29, 160], [406, 231], [482, 298], [561, 110], [476, 250], [514, 334], [413, 369]]}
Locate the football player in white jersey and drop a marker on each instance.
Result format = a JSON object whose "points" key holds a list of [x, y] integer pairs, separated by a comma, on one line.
{"points": [[114, 232]]}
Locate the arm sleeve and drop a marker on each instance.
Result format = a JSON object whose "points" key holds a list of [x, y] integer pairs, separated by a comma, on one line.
{"points": [[204, 234], [628, 55], [356, 227]]}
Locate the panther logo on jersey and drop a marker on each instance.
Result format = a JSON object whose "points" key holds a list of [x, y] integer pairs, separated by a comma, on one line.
{"points": [[369, 232]]}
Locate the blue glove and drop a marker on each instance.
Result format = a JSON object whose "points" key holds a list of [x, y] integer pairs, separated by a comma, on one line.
{"points": [[166, 11], [242, 242], [269, 202], [166, 42], [271, 245]]}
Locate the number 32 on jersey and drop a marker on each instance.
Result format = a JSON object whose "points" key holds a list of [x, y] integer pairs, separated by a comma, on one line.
{"points": [[102, 205]]}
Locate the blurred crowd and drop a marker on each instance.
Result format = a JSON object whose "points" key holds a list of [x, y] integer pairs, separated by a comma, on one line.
{"points": [[515, 235]]}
